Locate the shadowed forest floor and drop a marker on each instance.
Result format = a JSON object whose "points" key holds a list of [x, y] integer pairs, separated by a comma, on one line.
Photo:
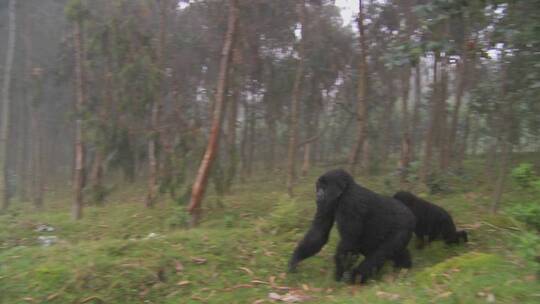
{"points": [[124, 253]]}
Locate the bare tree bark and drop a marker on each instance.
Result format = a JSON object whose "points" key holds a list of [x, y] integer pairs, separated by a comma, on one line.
{"points": [[232, 121], [156, 105], [416, 142], [442, 118], [506, 137], [6, 92], [211, 150], [428, 148], [405, 138], [295, 103], [78, 183], [462, 80], [501, 178], [361, 112], [37, 140]]}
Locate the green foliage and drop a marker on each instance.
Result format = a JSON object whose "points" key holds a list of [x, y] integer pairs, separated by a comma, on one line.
{"points": [[524, 176], [179, 218], [75, 10], [528, 245], [285, 217], [528, 213]]}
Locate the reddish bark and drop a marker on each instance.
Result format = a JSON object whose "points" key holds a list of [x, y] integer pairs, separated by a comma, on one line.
{"points": [[201, 180]]}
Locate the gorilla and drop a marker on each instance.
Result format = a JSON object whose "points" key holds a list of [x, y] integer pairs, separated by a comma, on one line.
{"points": [[432, 220], [375, 226]]}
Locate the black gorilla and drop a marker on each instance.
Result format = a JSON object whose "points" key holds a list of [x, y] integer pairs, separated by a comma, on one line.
{"points": [[369, 224], [431, 220]]}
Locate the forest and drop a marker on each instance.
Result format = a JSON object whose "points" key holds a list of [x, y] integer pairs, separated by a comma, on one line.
{"points": [[174, 151]]}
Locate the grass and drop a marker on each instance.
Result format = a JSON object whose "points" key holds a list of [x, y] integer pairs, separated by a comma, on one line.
{"points": [[123, 253]]}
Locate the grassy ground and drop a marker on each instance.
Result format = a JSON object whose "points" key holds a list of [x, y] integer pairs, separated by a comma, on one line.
{"points": [[123, 253]]}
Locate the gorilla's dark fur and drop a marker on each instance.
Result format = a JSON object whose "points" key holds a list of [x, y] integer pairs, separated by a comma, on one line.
{"points": [[431, 220], [369, 224]]}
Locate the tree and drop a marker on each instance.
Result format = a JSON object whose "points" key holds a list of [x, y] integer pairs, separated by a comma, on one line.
{"points": [[295, 100], [6, 91], [362, 103], [201, 180], [76, 12], [156, 105]]}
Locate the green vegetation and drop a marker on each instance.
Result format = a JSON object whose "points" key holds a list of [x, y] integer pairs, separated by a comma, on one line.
{"points": [[122, 253]]}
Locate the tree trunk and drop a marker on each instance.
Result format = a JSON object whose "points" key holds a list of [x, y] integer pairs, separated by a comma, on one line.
{"points": [[232, 121], [416, 140], [442, 119], [211, 150], [37, 140], [428, 148], [361, 112], [387, 121], [501, 179], [78, 183], [405, 139], [252, 121], [463, 146], [295, 102], [307, 159], [462, 71], [154, 120], [6, 92]]}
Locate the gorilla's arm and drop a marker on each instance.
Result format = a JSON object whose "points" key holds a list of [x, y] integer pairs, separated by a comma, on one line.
{"points": [[315, 238]]}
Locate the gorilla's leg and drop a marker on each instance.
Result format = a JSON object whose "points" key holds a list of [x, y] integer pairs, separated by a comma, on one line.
{"points": [[402, 259], [398, 242], [345, 258]]}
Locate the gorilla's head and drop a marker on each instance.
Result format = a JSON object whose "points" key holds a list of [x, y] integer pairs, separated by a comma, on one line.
{"points": [[331, 185], [406, 198]]}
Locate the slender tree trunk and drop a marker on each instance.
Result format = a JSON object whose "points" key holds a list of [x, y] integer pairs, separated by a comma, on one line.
{"points": [[501, 178], [462, 72], [442, 134], [270, 161], [211, 150], [37, 147], [491, 160], [462, 151], [387, 121], [25, 156], [405, 138], [416, 141], [295, 103], [251, 142], [154, 120], [78, 183], [244, 142], [362, 103], [307, 159], [6, 92], [232, 121], [428, 148], [506, 137]]}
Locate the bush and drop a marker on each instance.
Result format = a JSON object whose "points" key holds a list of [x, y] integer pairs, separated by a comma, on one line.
{"points": [[179, 218], [523, 175], [528, 213], [528, 246]]}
